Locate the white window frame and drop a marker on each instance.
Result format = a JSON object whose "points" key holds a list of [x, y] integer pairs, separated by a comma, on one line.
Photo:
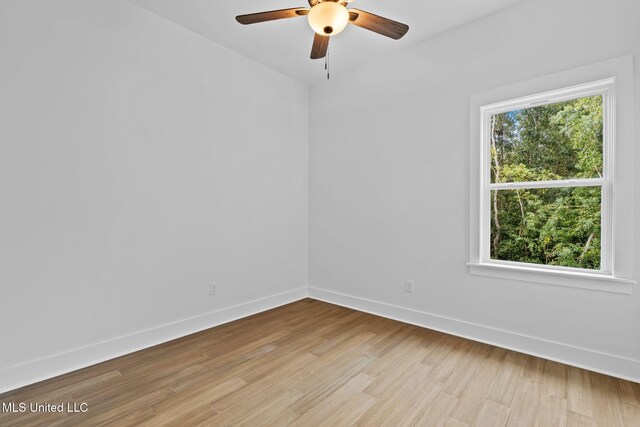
{"points": [[604, 88], [613, 79]]}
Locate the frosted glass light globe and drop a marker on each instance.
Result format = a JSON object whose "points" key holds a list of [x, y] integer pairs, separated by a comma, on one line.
{"points": [[328, 18]]}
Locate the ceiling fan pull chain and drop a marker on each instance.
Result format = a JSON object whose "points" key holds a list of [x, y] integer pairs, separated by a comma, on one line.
{"points": [[326, 63]]}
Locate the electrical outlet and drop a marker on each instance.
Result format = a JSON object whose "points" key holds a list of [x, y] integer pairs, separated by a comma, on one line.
{"points": [[213, 289], [408, 286]]}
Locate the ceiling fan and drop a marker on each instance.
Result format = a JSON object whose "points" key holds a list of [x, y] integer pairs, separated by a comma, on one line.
{"points": [[328, 18]]}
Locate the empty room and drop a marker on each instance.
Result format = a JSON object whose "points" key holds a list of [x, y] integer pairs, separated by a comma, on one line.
{"points": [[320, 213]]}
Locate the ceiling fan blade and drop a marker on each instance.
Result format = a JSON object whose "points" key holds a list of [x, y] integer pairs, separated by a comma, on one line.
{"points": [[313, 2], [378, 24], [272, 15], [320, 46]]}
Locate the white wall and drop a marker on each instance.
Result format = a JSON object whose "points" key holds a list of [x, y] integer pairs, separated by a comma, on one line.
{"points": [[138, 162], [389, 184]]}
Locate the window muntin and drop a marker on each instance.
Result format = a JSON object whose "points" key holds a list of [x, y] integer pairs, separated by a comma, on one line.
{"points": [[545, 172]]}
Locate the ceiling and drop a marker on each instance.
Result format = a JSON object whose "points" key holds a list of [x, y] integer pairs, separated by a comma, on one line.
{"points": [[285, 45]]}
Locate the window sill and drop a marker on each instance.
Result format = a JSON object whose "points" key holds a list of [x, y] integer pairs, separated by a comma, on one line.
{"points": [[591, 281]]}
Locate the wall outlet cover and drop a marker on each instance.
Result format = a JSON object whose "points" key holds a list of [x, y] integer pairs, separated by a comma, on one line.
{"points": [[408, 286]]}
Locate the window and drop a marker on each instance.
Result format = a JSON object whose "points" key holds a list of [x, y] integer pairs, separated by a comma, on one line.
{"points": [[551, 182], [546, 179]]}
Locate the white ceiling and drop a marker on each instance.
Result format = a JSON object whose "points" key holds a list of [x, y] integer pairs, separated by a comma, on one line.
{"points": [[285, 45]]}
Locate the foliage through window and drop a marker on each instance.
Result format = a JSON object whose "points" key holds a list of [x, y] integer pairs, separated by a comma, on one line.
{"points": [[547, 186]]}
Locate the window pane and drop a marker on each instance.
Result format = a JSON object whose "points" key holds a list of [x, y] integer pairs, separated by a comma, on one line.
{"points": [[548, 142], [550, 226]]}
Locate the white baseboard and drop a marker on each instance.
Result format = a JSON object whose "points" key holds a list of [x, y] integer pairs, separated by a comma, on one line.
{"points": [[616, 366], [34, 371]]}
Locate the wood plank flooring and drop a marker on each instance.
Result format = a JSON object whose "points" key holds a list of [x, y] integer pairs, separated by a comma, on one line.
{"points": [[315, 364]]}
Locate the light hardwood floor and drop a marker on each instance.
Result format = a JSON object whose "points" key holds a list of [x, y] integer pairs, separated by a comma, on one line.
{"points": [[315, 364]]}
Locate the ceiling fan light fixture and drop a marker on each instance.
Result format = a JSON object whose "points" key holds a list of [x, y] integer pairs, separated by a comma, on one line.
{"points": [[328, 18]]}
